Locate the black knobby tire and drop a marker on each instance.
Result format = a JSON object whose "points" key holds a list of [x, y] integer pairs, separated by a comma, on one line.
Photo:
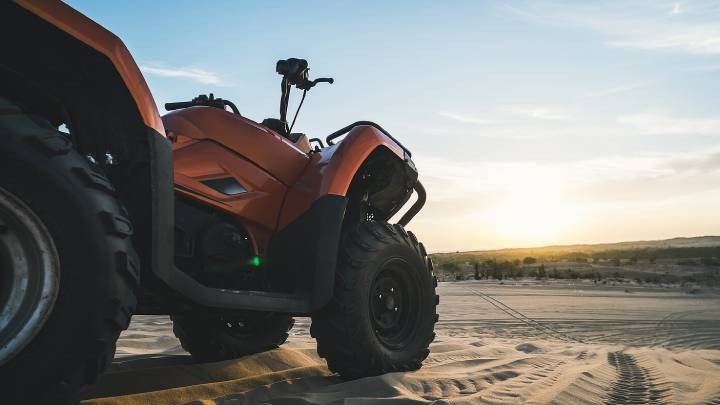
{"points": [[98, 267], [363, 333], [216, 337]]}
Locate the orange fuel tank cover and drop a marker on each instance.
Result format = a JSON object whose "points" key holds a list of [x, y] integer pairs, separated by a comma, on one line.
{"points": [[270, 151]]}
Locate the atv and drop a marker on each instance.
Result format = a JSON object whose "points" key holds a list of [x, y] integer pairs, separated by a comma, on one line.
{"points": [[230, 226]]}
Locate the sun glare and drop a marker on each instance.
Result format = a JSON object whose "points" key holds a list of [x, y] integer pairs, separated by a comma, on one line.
{"points": [[533, 215]]}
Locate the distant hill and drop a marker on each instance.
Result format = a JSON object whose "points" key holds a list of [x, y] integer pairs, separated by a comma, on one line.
{"points": [[699, 244]]}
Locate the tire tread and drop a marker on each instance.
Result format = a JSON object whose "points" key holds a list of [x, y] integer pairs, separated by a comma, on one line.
{"points": [[335, 327], [112, 314]]}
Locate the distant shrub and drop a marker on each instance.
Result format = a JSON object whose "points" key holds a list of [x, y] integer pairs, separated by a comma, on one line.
{"points": [[687, 263]]}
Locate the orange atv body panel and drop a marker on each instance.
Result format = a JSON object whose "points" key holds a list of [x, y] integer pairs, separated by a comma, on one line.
{"points": [[280, 179], [214, 144], [258, 206], [332, 170], [265, 148], [88, 31]]}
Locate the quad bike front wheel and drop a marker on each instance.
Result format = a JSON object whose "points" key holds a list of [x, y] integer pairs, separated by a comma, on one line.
{"points": [[383, 313], [67, 265], [216, 337]]}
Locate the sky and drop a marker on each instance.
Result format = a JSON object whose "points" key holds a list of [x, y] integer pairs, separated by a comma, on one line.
{"points": [[531, 123]]}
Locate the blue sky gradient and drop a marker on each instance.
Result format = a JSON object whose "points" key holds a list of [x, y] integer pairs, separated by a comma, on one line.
{"points": [[533, 123]]}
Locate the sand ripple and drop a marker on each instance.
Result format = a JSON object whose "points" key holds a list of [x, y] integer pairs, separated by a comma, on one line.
{"points": [[640, 349]]}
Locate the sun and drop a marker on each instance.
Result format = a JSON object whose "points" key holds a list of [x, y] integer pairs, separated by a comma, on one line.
{"points": [[532, 215]]}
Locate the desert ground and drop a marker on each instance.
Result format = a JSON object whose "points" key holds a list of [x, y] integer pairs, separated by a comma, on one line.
{"points": [[515, 342]]}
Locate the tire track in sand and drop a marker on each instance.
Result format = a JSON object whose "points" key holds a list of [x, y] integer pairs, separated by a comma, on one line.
{"points": [[538, 374], [714, 401], [635, 384]]}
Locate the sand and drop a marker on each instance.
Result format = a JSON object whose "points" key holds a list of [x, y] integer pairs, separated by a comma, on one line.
{"points": [[592, 344]]}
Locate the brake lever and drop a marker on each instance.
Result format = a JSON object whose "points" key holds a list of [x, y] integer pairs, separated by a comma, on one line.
{"points": [[308, 84], [323, 80]]}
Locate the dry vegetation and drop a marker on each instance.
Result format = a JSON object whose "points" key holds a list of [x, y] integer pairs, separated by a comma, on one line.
{"points": [[671, 261]]}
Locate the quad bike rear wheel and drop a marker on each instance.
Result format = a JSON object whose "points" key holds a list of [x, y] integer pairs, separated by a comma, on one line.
{"points": [[216, 337], [383, 313], [67, 266]]}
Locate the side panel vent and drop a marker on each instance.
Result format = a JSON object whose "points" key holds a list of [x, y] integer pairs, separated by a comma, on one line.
{"points": [[226, 185]]}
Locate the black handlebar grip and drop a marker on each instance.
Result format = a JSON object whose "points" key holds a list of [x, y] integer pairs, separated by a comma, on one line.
{"points": [[178, 105]]}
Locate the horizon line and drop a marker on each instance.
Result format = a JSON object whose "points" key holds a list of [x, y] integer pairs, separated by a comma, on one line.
{"points": [[576, 244]]}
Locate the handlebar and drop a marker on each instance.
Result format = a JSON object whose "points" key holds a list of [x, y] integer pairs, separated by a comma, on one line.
{"points": [[178, 105], [203, 100], [294, 72]]}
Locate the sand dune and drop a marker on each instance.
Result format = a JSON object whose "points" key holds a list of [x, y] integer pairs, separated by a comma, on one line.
{"points": [[635, 355]]}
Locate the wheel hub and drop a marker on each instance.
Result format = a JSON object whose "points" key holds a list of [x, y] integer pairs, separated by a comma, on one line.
{"points": [[393, 305], [29, 280], [389, 302]]}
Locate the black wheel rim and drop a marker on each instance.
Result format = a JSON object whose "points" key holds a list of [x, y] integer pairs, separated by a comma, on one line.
{"points": [[29, 275], [395, 304]]}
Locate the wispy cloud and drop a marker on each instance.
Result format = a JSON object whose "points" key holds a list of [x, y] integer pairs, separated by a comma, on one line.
{"points": [[466, 119], [703, 68], [692, 28], [602, 195], [621, 88], [509, 123], [698, 163], [655, 124], [194, 74], [457, 181], [692, 38], [541, 113]]}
